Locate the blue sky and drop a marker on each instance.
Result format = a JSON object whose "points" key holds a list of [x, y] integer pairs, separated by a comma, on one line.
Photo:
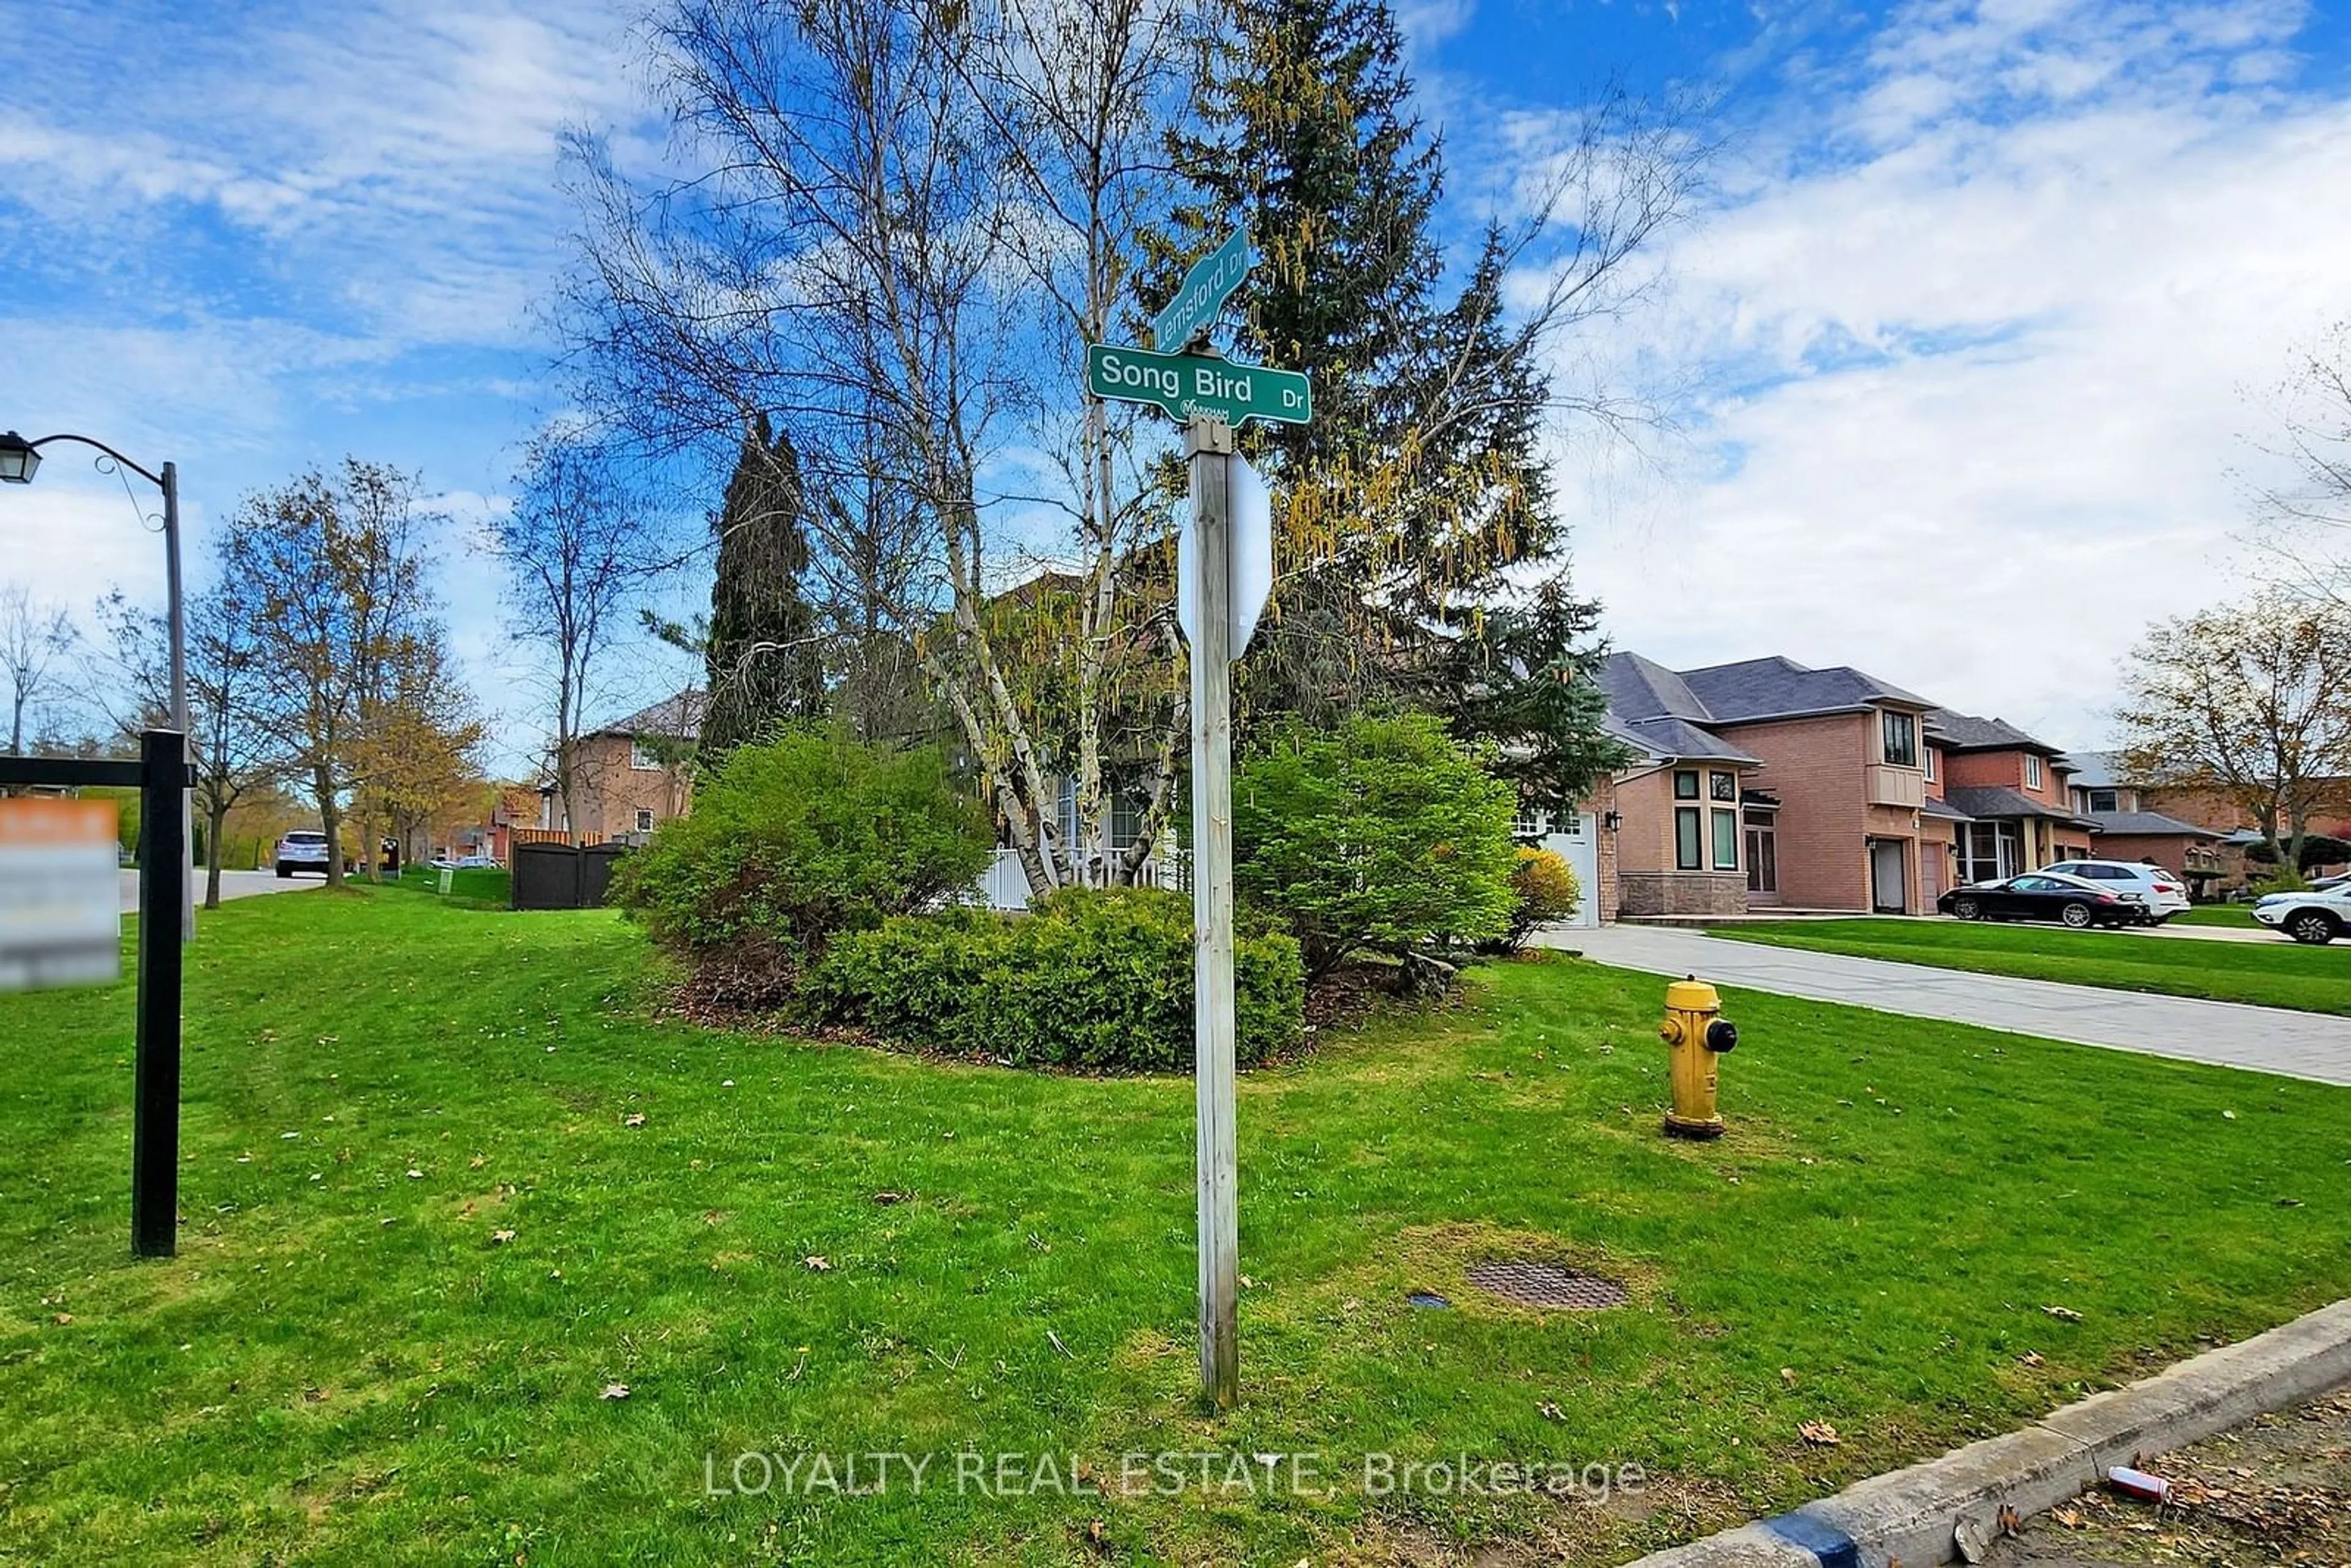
{"points": [[1960, 349]]}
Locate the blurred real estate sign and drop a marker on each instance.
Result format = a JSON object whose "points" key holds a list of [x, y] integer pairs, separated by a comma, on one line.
{"points": [[60, 916]]}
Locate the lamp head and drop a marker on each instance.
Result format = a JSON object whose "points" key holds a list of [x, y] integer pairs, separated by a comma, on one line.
{"points": [[19, 459]]}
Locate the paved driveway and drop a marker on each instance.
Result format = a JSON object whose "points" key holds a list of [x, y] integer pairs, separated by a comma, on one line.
{"points": [[234, 885], [2316, 1046]]}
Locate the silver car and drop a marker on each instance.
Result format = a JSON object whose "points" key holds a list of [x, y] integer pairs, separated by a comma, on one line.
{"points": [[302, 849]]}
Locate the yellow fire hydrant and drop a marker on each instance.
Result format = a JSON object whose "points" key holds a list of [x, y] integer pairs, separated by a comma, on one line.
{"points": [[1695, 1032]]}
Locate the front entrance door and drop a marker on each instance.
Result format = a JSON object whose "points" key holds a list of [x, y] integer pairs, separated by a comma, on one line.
{"points": [[1887, 885]]}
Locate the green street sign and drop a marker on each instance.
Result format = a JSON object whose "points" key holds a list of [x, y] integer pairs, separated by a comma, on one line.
{"points": [[1207, 286], [1189, 384]]}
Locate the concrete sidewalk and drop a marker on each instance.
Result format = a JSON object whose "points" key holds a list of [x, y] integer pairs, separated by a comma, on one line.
{"points": [[2316, 1046]]}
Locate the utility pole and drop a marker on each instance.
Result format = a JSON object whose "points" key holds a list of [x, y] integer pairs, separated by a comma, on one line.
{"points": [[1208, 442]]}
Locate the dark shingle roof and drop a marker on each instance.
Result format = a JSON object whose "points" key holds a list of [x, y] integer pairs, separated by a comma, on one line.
{"points": [[1642, 688], [1775, 688], [1680, 737], [2093, 770], [1965, 732], [677, 717], [2152, 823], [1999, 800], [1944, 809]]}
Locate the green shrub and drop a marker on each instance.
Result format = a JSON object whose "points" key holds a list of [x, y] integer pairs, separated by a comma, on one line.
{"points": [[1384, 833], [1544, 889], [792, 842], [1093, 981]]}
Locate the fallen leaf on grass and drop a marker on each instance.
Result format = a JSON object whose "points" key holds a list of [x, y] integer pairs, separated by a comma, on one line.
{"points": [[713, 1216], [633, 1119], [1820, 1434], [2070, 1518], [500, 1238], [414, 1174], [1788, 1376], [887, 1198], [62, 1318], [2064, 1314], [1549, 1411], [817, 1263], [616, 1391], [477, 1163]]}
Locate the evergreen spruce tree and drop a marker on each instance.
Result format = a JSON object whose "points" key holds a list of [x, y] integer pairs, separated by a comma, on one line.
{"points": [[1420, 479], [764, 666]]}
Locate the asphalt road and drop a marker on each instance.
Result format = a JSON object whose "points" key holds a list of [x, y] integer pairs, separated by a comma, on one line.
{"points": [[234, 885]]}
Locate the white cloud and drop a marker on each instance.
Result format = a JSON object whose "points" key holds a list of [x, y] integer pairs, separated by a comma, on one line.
{"points": [[1991, 357]]}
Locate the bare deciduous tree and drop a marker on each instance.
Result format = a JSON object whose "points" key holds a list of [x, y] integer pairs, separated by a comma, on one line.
{"points": [[2252, 701], [579, 544], [901, 222], [2307, 522], [33, 637]]}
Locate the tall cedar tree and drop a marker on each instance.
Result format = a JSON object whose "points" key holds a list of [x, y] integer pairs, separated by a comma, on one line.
{"points": [[764, 666], [1420, 480]]}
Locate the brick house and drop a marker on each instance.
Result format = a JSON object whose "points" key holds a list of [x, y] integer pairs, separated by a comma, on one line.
{"points": [[2002, 799], [631, 775], [2201, 833], [1803, 787]]}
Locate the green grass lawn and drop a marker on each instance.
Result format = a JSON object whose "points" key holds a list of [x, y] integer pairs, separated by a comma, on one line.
{"points": [[483, 887], [2234, 916], [423, 1237], [2279, 975]]}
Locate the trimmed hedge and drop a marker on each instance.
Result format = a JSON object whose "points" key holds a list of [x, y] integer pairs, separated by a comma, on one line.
{"points": [[1095, 981]]}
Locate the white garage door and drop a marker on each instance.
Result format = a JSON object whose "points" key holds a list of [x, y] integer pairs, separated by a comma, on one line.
{"points": [[1576, 841]]}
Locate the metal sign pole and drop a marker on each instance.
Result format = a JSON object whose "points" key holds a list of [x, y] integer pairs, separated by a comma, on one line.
{"points": [[155, 1072], [1208, 442]]}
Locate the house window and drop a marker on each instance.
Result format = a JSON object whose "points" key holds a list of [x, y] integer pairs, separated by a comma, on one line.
{"points": [[1125, 819], [2104, 800], [1901, 738], [2032, 771], [1686, 784], [1724, 785], [1990, 851], [1725, 840], [1526, 824], [1689, 845], [1763, 857], [1930, 765], [645, 818], [641, 759]]}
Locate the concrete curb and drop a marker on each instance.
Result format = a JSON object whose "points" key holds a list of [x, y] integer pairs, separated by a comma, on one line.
{"points": [[1919, 1515]]}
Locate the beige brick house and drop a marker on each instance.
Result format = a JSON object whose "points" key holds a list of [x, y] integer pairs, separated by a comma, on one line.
{"points": [[632, 775]]}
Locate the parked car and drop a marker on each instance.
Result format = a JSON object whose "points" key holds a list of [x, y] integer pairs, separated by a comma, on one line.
{"points": [[2316, 916], [2157, 892], [2040, 895], [301, 850]]}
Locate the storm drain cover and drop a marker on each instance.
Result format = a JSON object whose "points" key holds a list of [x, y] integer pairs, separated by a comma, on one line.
{"points": [[1545, 1285]]}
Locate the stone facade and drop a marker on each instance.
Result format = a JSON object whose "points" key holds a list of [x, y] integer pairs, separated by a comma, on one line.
{"points": [[1681, 893]]}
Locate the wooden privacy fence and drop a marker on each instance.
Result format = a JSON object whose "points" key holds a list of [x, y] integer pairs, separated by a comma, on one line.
{"points": [[560, 875]]}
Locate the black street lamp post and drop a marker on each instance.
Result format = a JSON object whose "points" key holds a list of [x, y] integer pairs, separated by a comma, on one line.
{"points": [[19, 460]]}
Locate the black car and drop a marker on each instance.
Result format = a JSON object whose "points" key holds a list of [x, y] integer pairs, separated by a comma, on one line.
{"points": [[2038, 895]]}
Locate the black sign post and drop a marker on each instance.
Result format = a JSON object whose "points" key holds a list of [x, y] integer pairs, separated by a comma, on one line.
{"points": [[162, 777]]}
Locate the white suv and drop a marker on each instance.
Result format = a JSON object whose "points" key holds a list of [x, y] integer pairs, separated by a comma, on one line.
{"points": [[2315, 918], [302, 849], [2159, 894]]}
